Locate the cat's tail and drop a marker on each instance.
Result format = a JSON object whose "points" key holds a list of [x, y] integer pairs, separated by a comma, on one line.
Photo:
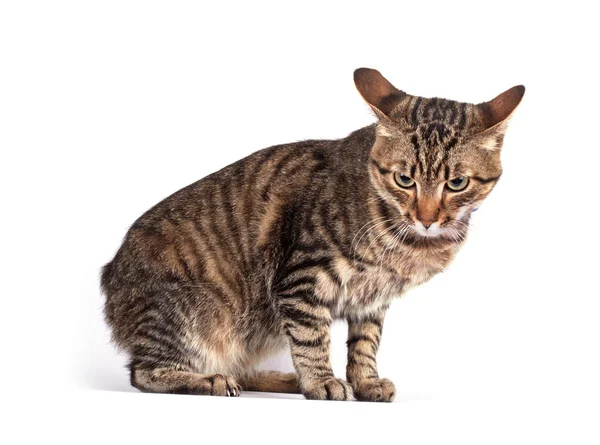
{"points": [[270, 381]]}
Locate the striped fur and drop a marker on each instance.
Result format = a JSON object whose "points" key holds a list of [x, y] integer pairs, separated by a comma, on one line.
{"points": [[271, 249]]}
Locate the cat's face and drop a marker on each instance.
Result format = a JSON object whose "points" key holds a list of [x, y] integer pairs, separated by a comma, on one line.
{"points": [[434, 160], [434, 178]]}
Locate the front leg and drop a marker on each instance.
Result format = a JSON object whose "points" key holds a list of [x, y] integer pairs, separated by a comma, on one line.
{"points": [[307, 324], [363, 342]]}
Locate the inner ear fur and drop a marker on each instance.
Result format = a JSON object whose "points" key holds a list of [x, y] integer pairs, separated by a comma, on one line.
{"points": [[377, 91]]}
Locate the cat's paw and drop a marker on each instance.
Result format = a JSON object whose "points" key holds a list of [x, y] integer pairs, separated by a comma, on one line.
{"points": [[374, 390], [224, 386], [329, 388]]}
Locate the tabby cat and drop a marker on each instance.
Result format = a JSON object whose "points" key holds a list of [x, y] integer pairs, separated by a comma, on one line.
{"points": [[268, 251]]}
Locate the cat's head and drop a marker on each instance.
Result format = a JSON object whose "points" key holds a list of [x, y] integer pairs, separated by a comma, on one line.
{"points": [[434, 160]]}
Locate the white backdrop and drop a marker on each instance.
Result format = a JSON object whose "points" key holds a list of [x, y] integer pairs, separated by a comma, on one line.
{"points": [[108, 107]]}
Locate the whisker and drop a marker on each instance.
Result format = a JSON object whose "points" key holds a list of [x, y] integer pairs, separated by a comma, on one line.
{"points": [[379, 236], [367, 233], [390, 244], [359, 230], [398, 240]]}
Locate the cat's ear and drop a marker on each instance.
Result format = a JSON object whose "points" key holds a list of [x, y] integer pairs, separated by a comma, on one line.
{"points": [[377, 91], [497, 111]]}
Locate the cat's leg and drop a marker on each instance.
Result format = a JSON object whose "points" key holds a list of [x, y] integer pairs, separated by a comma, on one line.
{"points": [[270, 381], [363, 341], [165, 360], [307, 325], [172, 381]]}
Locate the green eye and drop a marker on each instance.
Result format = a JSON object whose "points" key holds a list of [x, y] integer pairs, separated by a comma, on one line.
{"points": [[458, 184], [403, 180]]}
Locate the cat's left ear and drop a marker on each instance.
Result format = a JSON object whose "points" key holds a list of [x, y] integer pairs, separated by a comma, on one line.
{"points": [[377, 91], [497, 111]]}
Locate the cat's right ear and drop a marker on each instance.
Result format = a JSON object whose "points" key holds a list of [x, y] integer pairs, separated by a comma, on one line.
{"points": [[377, 91]]}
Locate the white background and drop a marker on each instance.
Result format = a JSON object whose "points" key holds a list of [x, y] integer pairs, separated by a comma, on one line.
{"points": [[108, 107]]}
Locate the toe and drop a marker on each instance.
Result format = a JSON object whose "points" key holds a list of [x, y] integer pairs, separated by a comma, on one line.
{"points": [[219, 385]]}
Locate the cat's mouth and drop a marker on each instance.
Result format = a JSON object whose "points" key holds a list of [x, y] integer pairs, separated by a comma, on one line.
{"points": [[450, 230], [430, 231]]}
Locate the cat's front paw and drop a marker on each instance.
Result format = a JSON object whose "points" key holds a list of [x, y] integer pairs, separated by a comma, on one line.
{"points": [[329, 388], [374, 390]]}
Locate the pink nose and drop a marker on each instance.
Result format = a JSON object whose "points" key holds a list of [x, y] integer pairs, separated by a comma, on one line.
{"points": [[427, 222]]}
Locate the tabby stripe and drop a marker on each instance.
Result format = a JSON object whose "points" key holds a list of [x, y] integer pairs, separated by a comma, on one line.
{"points": [[222, 241], [413, 169], [421, 162], [146, 319], [414, 140], [258, 165], [307, 296], [303, 294], [382, 170], [356, 353], [436, 172], [145, 310], [316, 342], [415, 110], [313, 366], [191, 243], [376, 322], [216, 259], [275, 171], [304, 318], [303, 322], [314, 246], [231, 216], [312, 358], [279, 157], [310, 364], [453, 115], [356, 338], [307, 264], [294, 294], [485, 180], [328, 230], [428, 107], [353, 362], [154, 358], [451, 143], [333, 276], [463, 116], [179, 253], [164, 344], [186, 267], [300, 165], [286, 286]]}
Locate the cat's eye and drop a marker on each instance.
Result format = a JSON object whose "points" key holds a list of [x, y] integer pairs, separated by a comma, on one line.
{"points": [[403, 180], [458, 184]]}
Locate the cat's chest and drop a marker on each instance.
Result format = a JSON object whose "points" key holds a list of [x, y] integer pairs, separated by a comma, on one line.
{"points": [[367, 289]]}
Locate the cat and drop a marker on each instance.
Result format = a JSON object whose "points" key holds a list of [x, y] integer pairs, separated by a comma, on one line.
{"points": [[268, 251]]}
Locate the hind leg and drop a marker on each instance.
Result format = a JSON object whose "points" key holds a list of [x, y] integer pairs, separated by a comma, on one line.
{"points": [[271, 381], [165, 380]]}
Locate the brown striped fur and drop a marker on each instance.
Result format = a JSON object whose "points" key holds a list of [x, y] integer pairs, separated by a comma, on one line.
{"points": [[273, 248]]}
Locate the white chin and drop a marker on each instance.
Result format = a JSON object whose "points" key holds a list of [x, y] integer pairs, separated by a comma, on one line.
{"points": [[432, 232]]}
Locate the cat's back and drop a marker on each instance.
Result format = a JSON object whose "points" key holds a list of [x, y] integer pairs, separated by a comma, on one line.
{"points": [[236, 199], [222, 224]]}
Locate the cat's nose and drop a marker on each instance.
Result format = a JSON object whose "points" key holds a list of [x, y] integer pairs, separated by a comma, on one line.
{"points": [[427, 223], [428, 211]]}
